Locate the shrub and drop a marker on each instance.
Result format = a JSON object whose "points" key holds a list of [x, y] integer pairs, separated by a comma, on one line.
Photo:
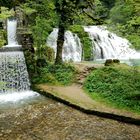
{"points": [[2, 38], [118, 85], [57, 74]]}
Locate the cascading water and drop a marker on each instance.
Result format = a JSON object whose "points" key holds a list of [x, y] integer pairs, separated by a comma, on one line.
{"points": [[11, 33], [14, 81], [13, 72], [107, 45], [72, 49]]}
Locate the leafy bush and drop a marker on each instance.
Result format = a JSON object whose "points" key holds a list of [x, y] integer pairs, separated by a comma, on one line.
{"points": [[2, 37], [56, 74], [135, 40], [118, 85]]}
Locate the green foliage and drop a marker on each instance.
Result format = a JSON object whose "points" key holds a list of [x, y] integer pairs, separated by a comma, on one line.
{"points": [[125, 20], [2, 38], [27, 10], [43, 9], [5, 13], [119, 85], [40, 32], [121, 12], [55, 74], [49, 54], [85, 40], [135, 40], [108, 3], [10, 3]]}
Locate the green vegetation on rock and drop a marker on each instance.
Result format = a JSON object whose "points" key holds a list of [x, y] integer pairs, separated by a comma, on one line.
{"points": [[85, 40]]}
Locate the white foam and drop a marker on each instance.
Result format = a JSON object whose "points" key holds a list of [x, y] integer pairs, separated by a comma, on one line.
{"points": [[72, 48], [107, 45], [13, 45], [17, 96]]}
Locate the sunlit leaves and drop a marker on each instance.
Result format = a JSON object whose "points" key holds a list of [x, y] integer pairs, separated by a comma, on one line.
{"points": [[5, 13]]}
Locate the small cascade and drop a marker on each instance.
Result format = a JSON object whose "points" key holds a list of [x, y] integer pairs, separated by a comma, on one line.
{"points": [[11, 33], [13, 72], [107, 45], [14, 80], [72, 49]]}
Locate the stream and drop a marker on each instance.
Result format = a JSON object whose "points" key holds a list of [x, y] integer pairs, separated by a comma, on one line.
{"points": [[41, 118]]}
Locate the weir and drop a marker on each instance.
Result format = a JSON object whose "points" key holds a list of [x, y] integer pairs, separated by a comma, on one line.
{"points": [[14, 80]]}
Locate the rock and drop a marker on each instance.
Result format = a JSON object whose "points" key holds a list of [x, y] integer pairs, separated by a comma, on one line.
{"points": [[116, 61], [108, 62]]}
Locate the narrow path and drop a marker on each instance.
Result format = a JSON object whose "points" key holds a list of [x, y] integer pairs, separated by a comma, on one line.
{"points": [[74, 93]]}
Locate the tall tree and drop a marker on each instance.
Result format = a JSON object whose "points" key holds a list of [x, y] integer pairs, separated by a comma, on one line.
{"points": [[65, 10]]}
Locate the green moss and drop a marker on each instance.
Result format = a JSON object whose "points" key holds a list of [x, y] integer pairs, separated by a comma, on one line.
{"points": [[118, 85], [85, 40]]}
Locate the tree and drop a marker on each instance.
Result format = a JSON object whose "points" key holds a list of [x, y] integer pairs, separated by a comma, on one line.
{"points": [[65, 10], [40, 31], [11, 3]]}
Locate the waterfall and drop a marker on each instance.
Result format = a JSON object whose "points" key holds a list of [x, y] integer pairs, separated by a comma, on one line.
{"points": [[14, 76], [72, 49], [107, 45], [14, 80], [11, 33]]}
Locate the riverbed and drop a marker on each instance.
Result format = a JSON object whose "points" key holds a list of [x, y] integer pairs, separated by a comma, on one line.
{"points": [[42, 118]]}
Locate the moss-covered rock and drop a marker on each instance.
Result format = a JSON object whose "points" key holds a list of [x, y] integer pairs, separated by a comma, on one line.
{"points": [[85, 40], [110, 62]]}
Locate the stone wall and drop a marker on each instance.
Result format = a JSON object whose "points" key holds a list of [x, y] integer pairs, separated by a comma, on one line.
{"points": [[26, 40]]}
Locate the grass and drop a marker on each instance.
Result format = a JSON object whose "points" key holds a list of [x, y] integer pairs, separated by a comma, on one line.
{"points": [[116, 85]]}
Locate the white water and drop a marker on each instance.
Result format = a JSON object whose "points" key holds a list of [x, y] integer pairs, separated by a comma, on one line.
{"points": [[13, 72], [72, 49], [11, 33], [14, 80], [17, 96], [107, 45]]}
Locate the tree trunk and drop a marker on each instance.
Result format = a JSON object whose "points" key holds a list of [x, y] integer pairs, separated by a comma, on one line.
{"points": [[60, 42]]}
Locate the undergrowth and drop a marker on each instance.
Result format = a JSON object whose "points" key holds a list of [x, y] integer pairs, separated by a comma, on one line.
{"points": [[55, 74], [118, 85]]}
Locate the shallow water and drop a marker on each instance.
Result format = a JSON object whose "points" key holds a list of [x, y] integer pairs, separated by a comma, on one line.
{"points": [[19, 99], [41, 118]]}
